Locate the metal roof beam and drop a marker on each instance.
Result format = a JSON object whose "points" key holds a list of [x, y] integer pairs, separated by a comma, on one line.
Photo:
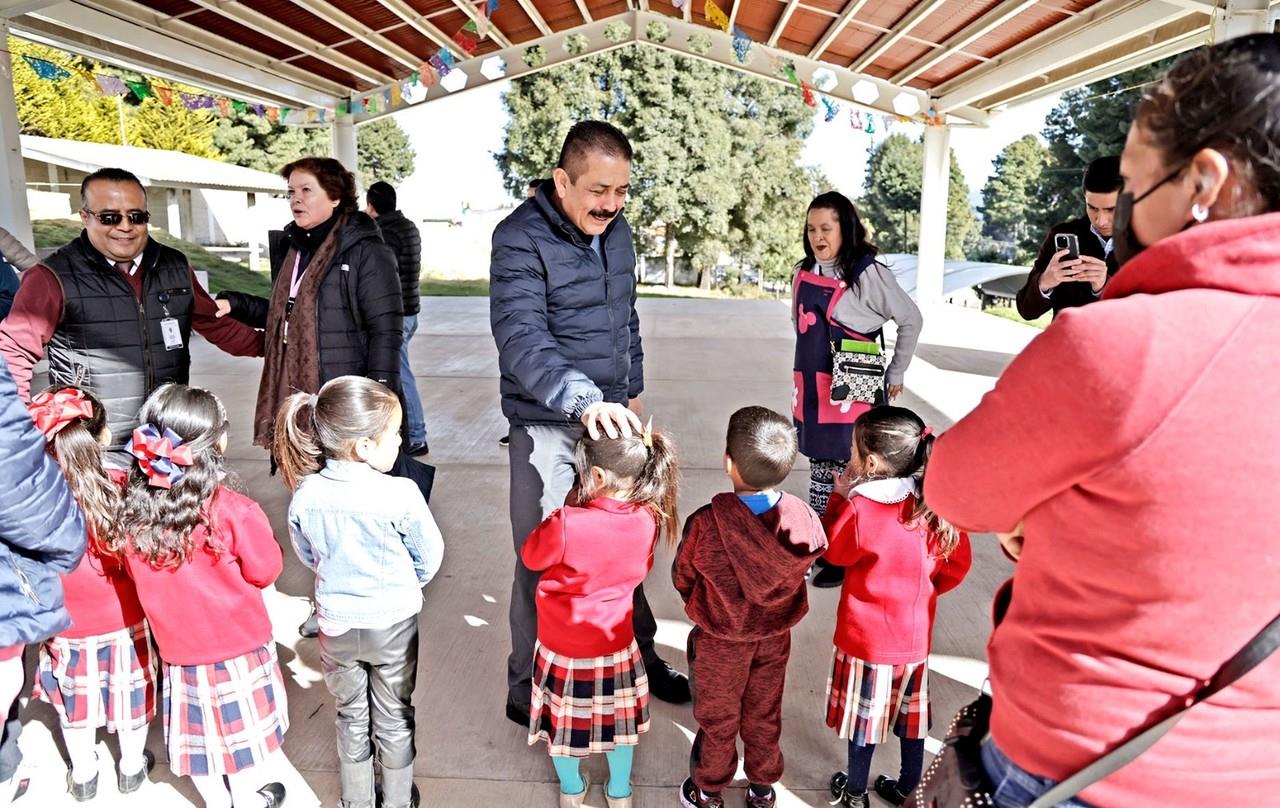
{"points": [[584, 11], [16, 8], [1100, 27], [900, 29], [130, 45], [836, 27], [688, 10], [964, 37], [345, 22], [282, 33], [420, 24], [733, 14], [777, 29], [493, 32], [532, 11]]}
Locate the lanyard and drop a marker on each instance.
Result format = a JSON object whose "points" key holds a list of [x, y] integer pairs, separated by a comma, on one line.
{"points": [[295, 282]]}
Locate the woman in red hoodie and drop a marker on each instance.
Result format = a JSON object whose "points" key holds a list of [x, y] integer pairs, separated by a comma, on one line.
{"points": [[101, 672], [200, 555], [590, 693], [1146, 555], [899, 556]]}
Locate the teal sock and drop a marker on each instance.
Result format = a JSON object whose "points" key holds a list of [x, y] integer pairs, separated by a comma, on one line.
{"points": [[570, 778], [620, 771]]}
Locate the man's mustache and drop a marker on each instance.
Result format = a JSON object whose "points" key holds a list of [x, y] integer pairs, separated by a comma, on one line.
{"points": [[605, 214]]}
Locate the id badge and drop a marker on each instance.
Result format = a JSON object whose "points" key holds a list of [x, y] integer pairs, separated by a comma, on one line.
{"points": [[172, 334]]}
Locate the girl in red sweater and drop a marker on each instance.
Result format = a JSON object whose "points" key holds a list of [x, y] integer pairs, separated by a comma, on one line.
{"points": [[200, 555], [101, 672], [899, 556], [590, 693]]}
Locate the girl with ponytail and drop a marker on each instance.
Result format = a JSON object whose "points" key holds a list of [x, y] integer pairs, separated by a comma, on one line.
{"points": [[898, 557], [102, 671], [590, 692], [373, 545]]}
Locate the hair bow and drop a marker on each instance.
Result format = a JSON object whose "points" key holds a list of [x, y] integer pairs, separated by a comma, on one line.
{"points": [[160, 456], [53, 411]]}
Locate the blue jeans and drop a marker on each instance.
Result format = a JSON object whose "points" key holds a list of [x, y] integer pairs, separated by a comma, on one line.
{"points": [[1016, 787], [416, 422]]}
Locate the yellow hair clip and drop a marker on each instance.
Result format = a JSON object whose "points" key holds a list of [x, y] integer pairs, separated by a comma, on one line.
{"points": [[647, 437]]}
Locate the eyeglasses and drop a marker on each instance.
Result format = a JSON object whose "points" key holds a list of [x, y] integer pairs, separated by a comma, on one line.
{"points": [[111, 218]]}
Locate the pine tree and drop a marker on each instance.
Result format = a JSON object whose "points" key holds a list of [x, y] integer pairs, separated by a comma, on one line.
{"points": [[384, 152], [890, 202], [1011, 205]]}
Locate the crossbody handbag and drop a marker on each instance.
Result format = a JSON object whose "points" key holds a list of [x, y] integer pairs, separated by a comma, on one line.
{"points": [[956, 777], [857, 371]]}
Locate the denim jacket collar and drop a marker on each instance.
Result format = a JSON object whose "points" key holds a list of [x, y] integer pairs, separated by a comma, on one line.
{"points": [[347, 469]]}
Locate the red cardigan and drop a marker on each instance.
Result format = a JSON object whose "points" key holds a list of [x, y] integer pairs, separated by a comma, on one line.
{"points": [[99, 594], [210, 609], [891, 581], [1137, 440], [594, 558]]}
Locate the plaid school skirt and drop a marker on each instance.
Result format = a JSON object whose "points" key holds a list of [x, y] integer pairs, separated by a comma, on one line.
{"points": [[224, 717], [108, 680], [584, 706], [865, 700]]}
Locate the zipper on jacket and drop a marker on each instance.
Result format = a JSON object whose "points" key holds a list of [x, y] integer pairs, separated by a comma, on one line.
{"points": [[24, 583]]}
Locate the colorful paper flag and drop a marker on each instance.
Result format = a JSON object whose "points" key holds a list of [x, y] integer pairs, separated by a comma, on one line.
{"points": [[833, 109], [492, 7], [397, 95], [111, 85], [807, 91], [165, 95], [224, 107], [716, 16], [440, 65], [789, 70], [741, 45], [46, 70], [140, 89], [466, 42], [273, 114], [240, 107]]}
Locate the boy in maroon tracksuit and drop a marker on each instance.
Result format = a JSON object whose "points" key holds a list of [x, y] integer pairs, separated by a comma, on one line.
{"points": [[741, 572]]}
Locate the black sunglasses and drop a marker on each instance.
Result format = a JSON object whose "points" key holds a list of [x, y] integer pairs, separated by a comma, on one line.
{"points": [[111, 218]]}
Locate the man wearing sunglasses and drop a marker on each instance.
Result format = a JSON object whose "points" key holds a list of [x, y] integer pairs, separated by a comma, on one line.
{"points": [[114, 309]]}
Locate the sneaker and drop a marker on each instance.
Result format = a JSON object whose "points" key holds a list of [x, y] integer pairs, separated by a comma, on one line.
{"points": [[667, 684], [504, 441], [310, 628], [518, 714], [843, 797], [692, 797], [82, 792], [418, 449], [757, 799], [576, 800], [272, 795], [887, 789]]}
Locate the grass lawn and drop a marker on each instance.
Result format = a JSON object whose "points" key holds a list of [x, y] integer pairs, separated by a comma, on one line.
{"points": [[223, 274], [452, 287], [1010, 313]]}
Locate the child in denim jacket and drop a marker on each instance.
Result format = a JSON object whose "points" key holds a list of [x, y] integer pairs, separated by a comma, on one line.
{"points": [[373, 545]]}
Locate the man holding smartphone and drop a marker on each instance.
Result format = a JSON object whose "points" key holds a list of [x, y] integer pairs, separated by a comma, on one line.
{"points": [[1076, 260]]}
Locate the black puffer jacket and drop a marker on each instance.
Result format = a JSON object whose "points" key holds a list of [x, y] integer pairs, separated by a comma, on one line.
{"points": [[358, 309], [402, 236], [566, 327]]}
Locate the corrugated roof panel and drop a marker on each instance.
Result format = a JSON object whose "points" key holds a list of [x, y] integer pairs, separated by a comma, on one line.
{"points": [[903, 53], [376, 59], [851, 44], [948, 69], [885, 14], [1026, 25], [951, 17], [328, 71], [369, 12], [173, 7], [805, 29], [828, 5], [219, 25], [408, 38], [303, 22], [560, 14]]}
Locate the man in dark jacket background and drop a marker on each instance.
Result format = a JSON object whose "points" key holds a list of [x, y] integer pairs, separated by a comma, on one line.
{"points": [[402, 236], [1057, 282], [562, 309]]}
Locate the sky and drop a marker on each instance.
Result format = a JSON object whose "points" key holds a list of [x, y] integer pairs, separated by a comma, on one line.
{"points": [[455, 138]]}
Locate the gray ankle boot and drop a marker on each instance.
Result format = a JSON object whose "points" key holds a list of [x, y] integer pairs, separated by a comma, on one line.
{"points": [[397, 787], [357, 784]]}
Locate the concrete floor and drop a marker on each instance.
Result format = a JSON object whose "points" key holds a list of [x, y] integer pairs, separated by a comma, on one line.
{"points": [[704, 360]]}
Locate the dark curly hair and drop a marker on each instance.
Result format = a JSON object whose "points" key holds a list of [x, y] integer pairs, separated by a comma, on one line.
{"points": [[1225, 97], [854, 243], [338, 183], [158, 523]]}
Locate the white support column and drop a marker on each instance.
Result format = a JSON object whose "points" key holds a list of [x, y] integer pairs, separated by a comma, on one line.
{"points": [[1242, 17], [15, 216], [254, 235], [174, 212], [342, 143], [933, 214]]}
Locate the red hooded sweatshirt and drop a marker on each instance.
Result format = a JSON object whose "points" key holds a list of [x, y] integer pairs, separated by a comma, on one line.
{"points": [[1137, 440], [742, 576]]}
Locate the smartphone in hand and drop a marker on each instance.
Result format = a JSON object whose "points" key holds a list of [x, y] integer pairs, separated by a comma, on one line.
{"points": [[1068, 242]]}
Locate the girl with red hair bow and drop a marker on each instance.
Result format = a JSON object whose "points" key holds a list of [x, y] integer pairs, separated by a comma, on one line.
{"points": [[101, 672]]}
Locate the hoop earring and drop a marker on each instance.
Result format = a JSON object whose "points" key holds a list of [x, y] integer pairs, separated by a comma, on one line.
{"points": [[1199, 213]]}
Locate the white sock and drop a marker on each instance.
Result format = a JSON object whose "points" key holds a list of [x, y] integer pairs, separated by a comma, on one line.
{"points": [[213, 790], [81, 745], [132, 742]]}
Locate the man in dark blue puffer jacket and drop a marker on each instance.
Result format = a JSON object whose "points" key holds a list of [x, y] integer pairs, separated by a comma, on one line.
{"points": [[562, 307]]}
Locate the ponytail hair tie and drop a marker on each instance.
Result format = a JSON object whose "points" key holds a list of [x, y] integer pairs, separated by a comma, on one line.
{"points": [[926, 432], [647, 436], [313, 401], [53, 411]]}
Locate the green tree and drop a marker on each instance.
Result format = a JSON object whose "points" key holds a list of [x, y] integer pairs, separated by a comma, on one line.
{"points": [[68, 108], [153, 125], [1011, 205], [715, 168], [1088, 123], [246, 139], [891, 198], [384, 152]]}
